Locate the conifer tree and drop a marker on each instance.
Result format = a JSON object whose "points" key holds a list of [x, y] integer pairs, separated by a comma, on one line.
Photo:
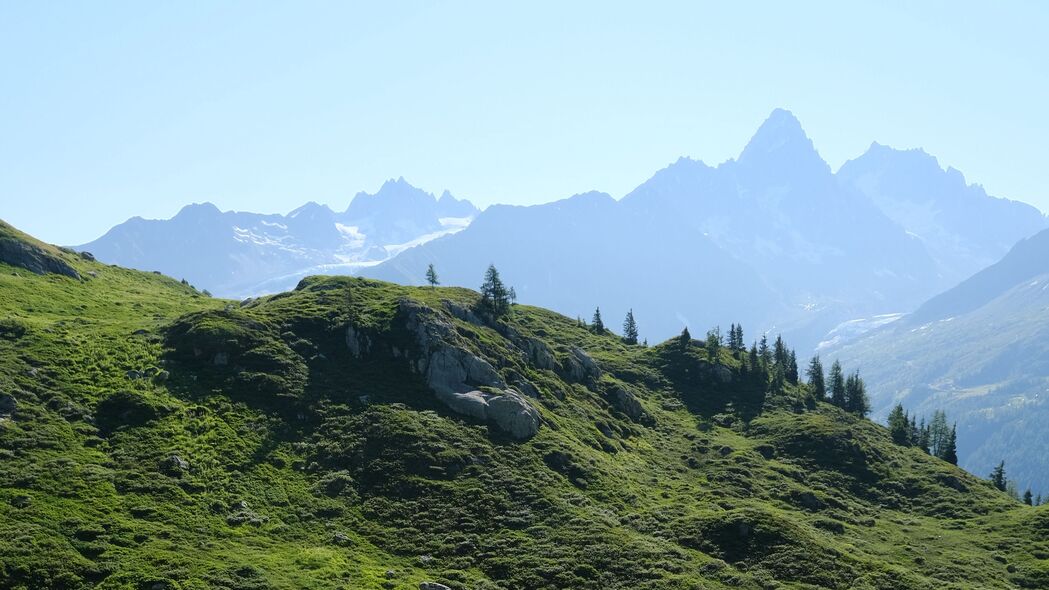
{"points": [[923, 436], [837, 385], [713, 343], [899, 426], [596, 324], [495, 299], [998, 478], [856, 400], [431, 276], [950, 451], [754, 358], [779, 352], [630, 328], [763, 351], [685, 339], [792, 367], [815, 376], [512, 296], [1037, 500], [939, 433], [1028, 498]]}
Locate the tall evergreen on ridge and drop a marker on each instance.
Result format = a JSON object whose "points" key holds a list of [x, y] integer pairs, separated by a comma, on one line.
{"points": [[950, 452], [998, 478], [792, 367], [713, 342], [815, 376], [899, 426], [837, 385], [596, 324], [630, 328], [685, 339], [763, 351], [495, 299], [431, 276], [856, 400]]}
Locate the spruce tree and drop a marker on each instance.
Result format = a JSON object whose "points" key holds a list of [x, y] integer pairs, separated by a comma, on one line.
{"points": [[431, 276], [754, 358], [1028, 497], [837, 385], [939, 433], [685, 339], [856, 400], [495, 299], [764, 352], [950, 451], [779, 352], [713, 343], [792, 367], [512, 296], [815, 376], [630, 328], [596, 324], [899, 426], [923, 436], [998, 478]]}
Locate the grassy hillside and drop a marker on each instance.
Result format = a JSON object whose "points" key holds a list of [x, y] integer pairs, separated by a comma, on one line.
{"points": [[153, 438]]}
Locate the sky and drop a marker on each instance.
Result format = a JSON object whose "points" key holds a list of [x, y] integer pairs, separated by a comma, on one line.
{"points": [[110, 110]]}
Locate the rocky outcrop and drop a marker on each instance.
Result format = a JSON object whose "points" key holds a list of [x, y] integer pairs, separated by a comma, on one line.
{"points": [[359, 343], [33, 258], [579, 367], [455, 374], [624, 400], [8, 405]]}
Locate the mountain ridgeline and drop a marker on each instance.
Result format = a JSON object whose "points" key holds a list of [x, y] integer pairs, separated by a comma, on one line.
{"points": [[238, 254], [774, 235], [356, 433], [978, 351]]}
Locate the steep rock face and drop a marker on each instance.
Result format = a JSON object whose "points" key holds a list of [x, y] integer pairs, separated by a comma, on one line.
{"points": [[454, 373], [33, 258]]}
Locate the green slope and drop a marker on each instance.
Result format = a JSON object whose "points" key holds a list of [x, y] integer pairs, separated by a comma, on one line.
{"points": [[161, 439]]}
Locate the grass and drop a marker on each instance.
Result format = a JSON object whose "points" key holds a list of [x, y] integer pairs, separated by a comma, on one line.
{"points": [[304, 466]]}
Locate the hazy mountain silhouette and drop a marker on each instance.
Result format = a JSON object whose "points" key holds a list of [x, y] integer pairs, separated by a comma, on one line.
{"points": [[798, 249], [238, 254]]}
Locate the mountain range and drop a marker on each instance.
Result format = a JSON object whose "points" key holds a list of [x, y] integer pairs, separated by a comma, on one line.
{"points": [[238, 254], [979, 351], [773, 239]]}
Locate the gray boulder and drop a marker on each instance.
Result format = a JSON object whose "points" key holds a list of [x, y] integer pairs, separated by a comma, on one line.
{"points": [[508, 411], [358, 343], [626, 402], [433, 586]]}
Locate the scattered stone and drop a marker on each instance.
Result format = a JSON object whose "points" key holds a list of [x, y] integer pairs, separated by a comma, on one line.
{"points": [[341, 539], [134, 375], [162, 376], [174, 465], [433, 586], [87, 256]]}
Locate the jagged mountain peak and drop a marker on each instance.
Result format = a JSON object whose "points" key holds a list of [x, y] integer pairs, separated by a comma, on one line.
{"points": [[781, 148]]}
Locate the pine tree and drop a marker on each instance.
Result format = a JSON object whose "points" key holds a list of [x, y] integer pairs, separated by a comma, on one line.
{"points": [[1028, 498], [431, 276], [899, 426], [1037, 500], [630, 328], [923, 436], [512, 296], [939, 433], [754, 358], [685, 339], [495, 299], [837, 385], [779, 352], [596, 324], [950, 451], [815, 376], [998, 478], [792, 367], [856, 400], [763, 351]]}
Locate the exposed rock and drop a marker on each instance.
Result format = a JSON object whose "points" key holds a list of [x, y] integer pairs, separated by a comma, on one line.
{"points": [[626, 402], [358, 343], [162, 376], [463, 313], [133, 375], [509, 411], [33, 258], [341, 539], [580, 367], [8, 405], [433, 586], [526, 387], [539, 353], [174, 465], [87, 256]]}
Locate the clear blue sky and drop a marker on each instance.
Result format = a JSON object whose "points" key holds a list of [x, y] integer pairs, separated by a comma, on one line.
{"points": [[112, 109]]}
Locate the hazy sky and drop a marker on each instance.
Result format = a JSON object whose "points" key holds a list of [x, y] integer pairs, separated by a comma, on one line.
{"points": [[109, 110]]}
